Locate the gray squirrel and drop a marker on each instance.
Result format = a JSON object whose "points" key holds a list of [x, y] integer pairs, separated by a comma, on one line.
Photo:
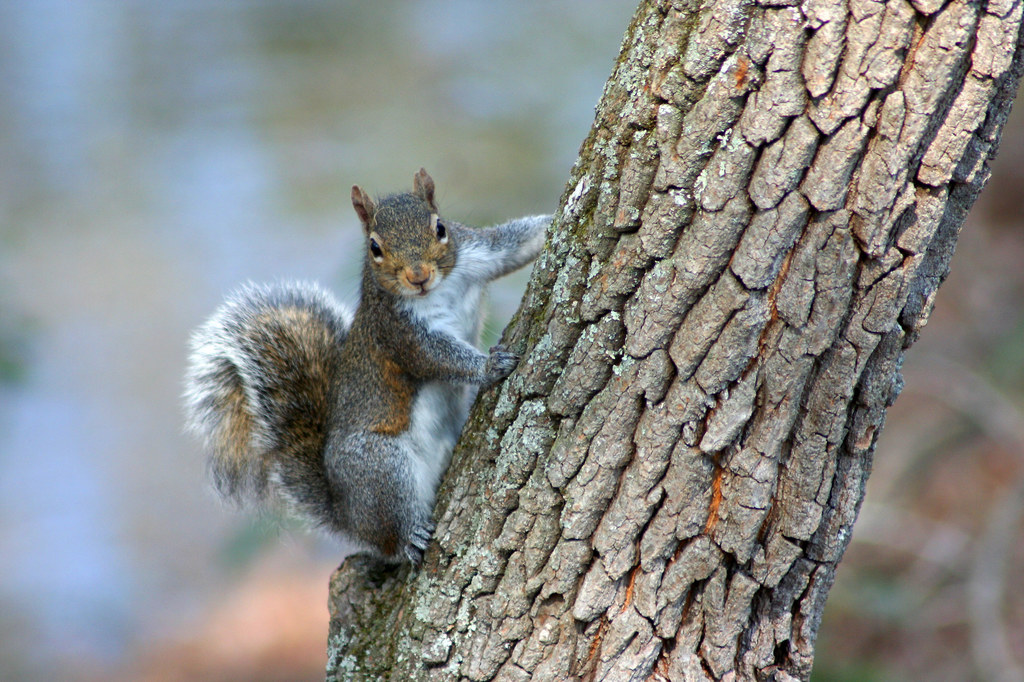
{"points": [[350, 420]]}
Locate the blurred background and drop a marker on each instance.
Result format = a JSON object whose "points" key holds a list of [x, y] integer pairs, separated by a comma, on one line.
{"points": [[153, 155]]}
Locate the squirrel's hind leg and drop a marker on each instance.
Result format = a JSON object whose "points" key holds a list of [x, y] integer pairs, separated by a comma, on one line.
{"points": [[377, 501]]}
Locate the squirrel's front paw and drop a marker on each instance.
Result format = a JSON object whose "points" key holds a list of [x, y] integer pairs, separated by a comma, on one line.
{"points": [[500, 363]]}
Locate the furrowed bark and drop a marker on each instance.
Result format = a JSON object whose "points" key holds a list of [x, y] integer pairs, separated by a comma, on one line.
{"points": [[752, 236]]}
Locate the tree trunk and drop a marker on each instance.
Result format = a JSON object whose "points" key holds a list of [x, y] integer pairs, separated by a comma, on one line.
{"points": [[752, 236]]}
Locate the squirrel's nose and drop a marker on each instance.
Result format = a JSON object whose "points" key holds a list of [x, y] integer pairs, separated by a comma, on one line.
{"points": [[418, 277]]}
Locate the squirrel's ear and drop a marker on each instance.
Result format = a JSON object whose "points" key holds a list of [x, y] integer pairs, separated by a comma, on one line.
{"points": [[364, 206], [423, 187]]}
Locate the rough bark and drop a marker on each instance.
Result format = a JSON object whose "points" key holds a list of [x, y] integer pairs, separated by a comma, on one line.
{"points": [[752, 236]]}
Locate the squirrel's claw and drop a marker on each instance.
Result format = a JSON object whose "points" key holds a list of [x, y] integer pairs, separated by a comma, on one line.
{"points": [[418, 540], [500, 363]]}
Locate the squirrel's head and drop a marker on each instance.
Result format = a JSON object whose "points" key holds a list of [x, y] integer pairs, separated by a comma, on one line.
{"points": [[409, 248]]}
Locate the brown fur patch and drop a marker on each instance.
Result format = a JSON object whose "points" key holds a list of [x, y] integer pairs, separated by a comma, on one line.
{"points": [[305, 329], [299, 360], [386, 539], [236, 427], [395, 414]]}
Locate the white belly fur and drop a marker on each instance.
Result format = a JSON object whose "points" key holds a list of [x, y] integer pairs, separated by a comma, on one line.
{"points": [[432, 433], [440, 408]]}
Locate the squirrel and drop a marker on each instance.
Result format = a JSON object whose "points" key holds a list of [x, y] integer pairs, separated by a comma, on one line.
{"points": [[350, 419]]}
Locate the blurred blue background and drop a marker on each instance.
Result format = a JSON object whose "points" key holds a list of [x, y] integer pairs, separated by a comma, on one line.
{"points": [[153, 155]]}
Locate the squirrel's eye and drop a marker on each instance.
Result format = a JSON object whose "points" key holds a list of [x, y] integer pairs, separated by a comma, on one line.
{"points": [[442, 231], [375, 249]]}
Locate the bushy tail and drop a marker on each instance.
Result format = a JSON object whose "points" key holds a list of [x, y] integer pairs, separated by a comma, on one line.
{"points": [[259, 391]]}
